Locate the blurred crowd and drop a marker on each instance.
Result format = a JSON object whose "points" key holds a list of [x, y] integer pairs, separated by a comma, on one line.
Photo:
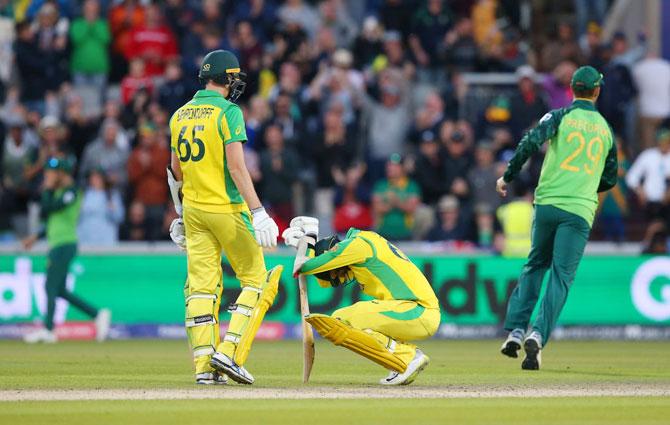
{"points": [[354, 111]]}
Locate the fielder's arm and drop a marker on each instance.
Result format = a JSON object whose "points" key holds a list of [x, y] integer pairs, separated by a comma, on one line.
{"points": [[51, 202], [532, 141], [610, 173]]}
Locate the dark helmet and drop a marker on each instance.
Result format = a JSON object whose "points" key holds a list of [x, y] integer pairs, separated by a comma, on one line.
{"points": [[322, 246], [325, 244], [222, 67]]}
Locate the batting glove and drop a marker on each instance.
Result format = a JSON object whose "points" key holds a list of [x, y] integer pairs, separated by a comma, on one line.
{"points": [[177, 233], [265, 228], [301, 256], [292, 236], [309, 225]]}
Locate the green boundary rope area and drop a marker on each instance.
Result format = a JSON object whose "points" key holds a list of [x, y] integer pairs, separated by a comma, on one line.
{"points": [[608, 291]]}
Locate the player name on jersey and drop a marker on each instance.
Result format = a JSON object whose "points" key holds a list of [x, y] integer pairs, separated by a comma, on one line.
{"points": [[194, 113], [587, 126]]}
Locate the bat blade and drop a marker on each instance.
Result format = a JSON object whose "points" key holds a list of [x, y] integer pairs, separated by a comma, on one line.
{"points": [[307, 331]]}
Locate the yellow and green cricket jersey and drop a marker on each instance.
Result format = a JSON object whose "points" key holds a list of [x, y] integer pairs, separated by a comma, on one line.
{"points": [[581, 158], [380, 268], [199, 132]]}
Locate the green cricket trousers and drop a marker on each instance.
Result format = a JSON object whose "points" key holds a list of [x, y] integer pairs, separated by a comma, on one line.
{"points": [[558, 240], [58, 265]]}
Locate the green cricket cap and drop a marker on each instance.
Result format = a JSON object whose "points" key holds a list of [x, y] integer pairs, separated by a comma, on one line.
{"points": [[395, 158], [61, 164], [586, 78]]}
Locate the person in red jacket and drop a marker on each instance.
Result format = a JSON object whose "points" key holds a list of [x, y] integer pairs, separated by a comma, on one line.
{"points": [[135, 81], [122, 17], [152, 41], [146, 174], [352, 201]]}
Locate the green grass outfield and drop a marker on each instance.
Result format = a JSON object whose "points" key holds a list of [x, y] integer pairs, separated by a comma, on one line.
{"points": [[164, 368]]}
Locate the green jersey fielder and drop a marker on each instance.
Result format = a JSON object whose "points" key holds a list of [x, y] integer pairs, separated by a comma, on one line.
{"points": [[581, 160], [61, 201]]}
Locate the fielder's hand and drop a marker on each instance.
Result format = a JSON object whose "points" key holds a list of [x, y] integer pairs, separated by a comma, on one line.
{"points": [[292, 236], [265, 228], [28, 242], [177, 233], [501, 187], [309, 225]]}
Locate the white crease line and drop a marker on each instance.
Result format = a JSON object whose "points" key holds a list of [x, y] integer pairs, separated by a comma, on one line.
{"points": [[325, 393]]}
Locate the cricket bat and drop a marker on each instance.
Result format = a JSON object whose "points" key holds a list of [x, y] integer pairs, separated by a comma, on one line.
{"points": [[307, 332]]}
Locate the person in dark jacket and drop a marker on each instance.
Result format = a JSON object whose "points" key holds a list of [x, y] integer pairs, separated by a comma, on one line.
{"points": [[31, 67], [429, 170], [527, 105], [619, 93]]}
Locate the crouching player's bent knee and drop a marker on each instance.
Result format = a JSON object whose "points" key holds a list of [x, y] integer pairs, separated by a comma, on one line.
{"points": [[405, 307]]}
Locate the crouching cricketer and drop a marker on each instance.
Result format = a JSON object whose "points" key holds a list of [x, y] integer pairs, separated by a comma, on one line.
{"points": [[221, 212], [404, 307]]}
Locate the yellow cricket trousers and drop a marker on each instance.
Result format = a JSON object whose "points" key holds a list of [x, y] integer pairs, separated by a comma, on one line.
{"points": [[207, 236], [400, 320]]}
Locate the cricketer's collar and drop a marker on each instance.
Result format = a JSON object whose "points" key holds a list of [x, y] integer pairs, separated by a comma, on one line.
{"points": [[206, 93], [352, 232], [584, 104]]}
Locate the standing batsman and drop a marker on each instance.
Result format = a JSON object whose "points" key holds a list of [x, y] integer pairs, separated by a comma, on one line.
{"points": [[404, 307], [208, 166], [581, 160]]}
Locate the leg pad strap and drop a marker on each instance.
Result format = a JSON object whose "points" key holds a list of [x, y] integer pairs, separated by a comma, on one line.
{"points": [[200, 323], [248, 313]]}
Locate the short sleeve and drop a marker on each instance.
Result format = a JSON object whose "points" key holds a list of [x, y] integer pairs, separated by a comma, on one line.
{"points": [[232, 125], [173, 134]]}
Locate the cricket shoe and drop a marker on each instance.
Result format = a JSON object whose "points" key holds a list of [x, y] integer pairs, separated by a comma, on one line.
{"points": [[512, 344], [533, 348], [211, 378], [103, 321], [418, 363], [41, 335], [225, 364]]}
